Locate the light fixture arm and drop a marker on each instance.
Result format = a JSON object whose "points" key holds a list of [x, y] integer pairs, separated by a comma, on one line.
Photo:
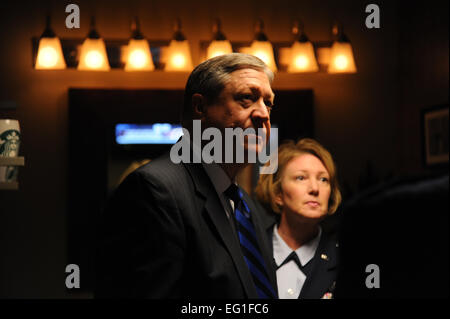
{"points": [[178, 35], [298, 32], [48, 32], [135, 30], [93, 34], [259, 31], [337, 31], [217, 31]]}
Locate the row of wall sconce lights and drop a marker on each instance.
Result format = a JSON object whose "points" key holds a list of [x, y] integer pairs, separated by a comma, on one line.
{"points": [[140, 54]]}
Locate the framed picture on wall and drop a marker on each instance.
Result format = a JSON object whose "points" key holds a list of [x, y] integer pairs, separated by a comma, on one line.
{"points": [[435, 135]]}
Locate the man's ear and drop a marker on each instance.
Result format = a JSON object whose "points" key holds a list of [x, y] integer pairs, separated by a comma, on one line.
{"points": [[198, 105]]}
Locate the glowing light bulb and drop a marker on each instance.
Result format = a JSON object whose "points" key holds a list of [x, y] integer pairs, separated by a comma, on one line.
{"points": [[94, 59], [263, 56], [48, 57], [302, 58], [301, 62], [341, 62], [50, 54], [178, 60], [341, 58], [217, 48], [93, 55], [264, 51], [179, 56], [138, 59], [217, 53]]}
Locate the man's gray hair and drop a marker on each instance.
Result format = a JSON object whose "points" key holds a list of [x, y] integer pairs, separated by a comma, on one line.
{"points": [[209, 79]]}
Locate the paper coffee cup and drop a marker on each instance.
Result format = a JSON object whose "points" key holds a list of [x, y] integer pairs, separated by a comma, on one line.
{"points": [[9, 147]]}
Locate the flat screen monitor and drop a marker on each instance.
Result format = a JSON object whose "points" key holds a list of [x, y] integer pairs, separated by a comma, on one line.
{"points": [[156, 133]]}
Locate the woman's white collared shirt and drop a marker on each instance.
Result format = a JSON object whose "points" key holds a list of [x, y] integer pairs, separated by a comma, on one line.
{"points": [[290, 278]]}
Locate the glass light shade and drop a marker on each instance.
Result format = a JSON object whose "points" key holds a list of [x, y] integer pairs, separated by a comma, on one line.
{"points": [[139, 57], [179, 56], [302, 58], [50, 56], [217, 48], [93, 56], [264, 51], [341, 58]]}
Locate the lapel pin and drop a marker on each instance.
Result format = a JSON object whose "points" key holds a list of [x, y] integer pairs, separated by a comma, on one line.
{"points": [[327, 295], [324, 257]]}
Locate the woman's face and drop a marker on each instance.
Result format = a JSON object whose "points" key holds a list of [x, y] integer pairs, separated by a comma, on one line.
{"points": [[305, 188]]}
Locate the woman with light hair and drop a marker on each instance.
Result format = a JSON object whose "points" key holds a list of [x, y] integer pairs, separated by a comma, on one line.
{"points": [[298, 197]]}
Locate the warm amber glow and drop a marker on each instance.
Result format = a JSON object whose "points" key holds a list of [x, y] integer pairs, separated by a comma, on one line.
{"points": [[341, 58], [94, 59], [50, 55], [93, 56], [263, 56], [302, 58], [264, 51], [217, 48], [139, 57], [217, 53], [179, 56], [340, 62], [301, 62], [178, 60]]}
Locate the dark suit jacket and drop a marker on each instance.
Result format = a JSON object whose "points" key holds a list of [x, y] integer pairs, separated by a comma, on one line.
{"points": [[165, 234], [323, 270]]}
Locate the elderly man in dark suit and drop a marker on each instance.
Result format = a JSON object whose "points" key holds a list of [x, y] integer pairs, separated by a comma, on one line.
{"points": [[177, 230]]}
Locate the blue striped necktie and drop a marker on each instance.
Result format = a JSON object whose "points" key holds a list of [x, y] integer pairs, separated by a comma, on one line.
{"points": [[249, 244]]}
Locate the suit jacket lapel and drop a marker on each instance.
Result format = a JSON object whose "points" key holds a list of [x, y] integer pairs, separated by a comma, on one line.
{"points": [[216, 213], [324, 269], [269, 219]]}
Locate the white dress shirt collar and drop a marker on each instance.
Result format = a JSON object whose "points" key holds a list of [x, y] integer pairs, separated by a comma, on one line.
{"points": [[305, 253], [221, 182]]}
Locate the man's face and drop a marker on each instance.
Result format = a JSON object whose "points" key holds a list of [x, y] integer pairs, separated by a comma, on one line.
{"points": [[244, 102]]}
